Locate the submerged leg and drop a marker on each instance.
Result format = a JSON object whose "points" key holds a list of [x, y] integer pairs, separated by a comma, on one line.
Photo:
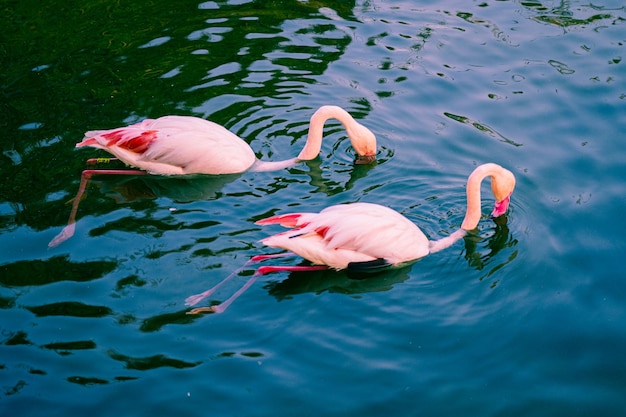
{"points": [[192, 300], [220, 308], [68, 231], [262, 270], [195, 299]]}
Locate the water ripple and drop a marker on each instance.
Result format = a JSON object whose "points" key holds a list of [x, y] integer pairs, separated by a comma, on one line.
{"points": [[445, 87]]}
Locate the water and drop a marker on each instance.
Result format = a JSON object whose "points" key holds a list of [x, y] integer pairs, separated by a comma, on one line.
{"points": [[525, 317]]}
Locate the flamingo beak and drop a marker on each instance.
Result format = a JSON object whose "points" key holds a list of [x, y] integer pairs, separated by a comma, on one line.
{"points": [[501, 207], [365, 159]]}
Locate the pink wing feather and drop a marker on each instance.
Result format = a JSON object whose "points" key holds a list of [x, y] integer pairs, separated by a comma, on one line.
{"points": [[364, 230], [175, 145]]}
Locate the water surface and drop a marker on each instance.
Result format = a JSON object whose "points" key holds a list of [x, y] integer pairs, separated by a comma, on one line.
{"points": [[523, 317]]}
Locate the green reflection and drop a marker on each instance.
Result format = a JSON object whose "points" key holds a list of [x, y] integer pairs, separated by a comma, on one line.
{"points": [[17, 338], [70, 308], [64, 346], [81, 380], [155, 323], [86, 65], [55, 269], [563, 14], [489, 131], [566, 21], [151, 362]]}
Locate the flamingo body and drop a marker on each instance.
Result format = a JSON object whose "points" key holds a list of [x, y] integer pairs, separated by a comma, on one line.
{"points": [[350, 233], [175, 145]]}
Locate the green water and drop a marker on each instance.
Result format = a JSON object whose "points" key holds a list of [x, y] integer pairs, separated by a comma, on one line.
{"points": [[525, 317]]}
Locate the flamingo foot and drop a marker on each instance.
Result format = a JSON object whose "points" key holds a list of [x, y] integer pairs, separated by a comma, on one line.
{"points": [[66, 233], [192, 300], [216, 309], [199, 310], [220, 308]]}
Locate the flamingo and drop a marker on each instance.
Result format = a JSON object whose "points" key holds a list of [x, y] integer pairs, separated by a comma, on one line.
{"points": [[183, 145], [364, 237]]}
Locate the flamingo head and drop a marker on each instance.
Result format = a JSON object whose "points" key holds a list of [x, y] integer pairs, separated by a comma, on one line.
{"points": [[364, 143], [502, 186], [501, 207]]}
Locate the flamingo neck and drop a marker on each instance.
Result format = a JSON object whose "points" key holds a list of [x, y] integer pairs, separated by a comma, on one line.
{"points": [[473, 212], [443, 243], [266, 166], [316, 129]]}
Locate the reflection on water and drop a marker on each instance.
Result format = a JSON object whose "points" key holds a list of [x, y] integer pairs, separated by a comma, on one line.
{"points": [[178, 189], [340, 282], [568, 14], [55, 269], [70, 308], [189, 188], [482, 128], [152, 362], [479, 252]]}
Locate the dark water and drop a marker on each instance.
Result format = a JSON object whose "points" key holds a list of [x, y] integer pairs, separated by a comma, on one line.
{"points": [[526, 317]]}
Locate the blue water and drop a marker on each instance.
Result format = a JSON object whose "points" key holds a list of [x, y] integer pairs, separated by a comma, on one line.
{"points": [[525, 317]]}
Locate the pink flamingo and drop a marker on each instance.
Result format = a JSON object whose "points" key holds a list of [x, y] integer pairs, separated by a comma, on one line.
{"points": [[364, 237], [182, 145]]}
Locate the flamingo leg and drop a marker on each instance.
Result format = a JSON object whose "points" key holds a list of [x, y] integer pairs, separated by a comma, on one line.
{"points": [[68, 231], [195, 299], [192, 300], [262, 270], [259, 258], [220, 308]]}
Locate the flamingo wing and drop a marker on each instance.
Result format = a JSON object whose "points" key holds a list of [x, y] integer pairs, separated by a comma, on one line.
{"points": [[175, 145], [350, 233]]}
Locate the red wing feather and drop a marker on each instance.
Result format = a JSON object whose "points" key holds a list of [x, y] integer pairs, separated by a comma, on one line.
{"points": [[131, 139], [286, 220], [322, 231]]}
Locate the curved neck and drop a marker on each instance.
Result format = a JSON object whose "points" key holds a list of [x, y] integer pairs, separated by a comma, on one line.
{"points": [[473, 212], [316, 129]]}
